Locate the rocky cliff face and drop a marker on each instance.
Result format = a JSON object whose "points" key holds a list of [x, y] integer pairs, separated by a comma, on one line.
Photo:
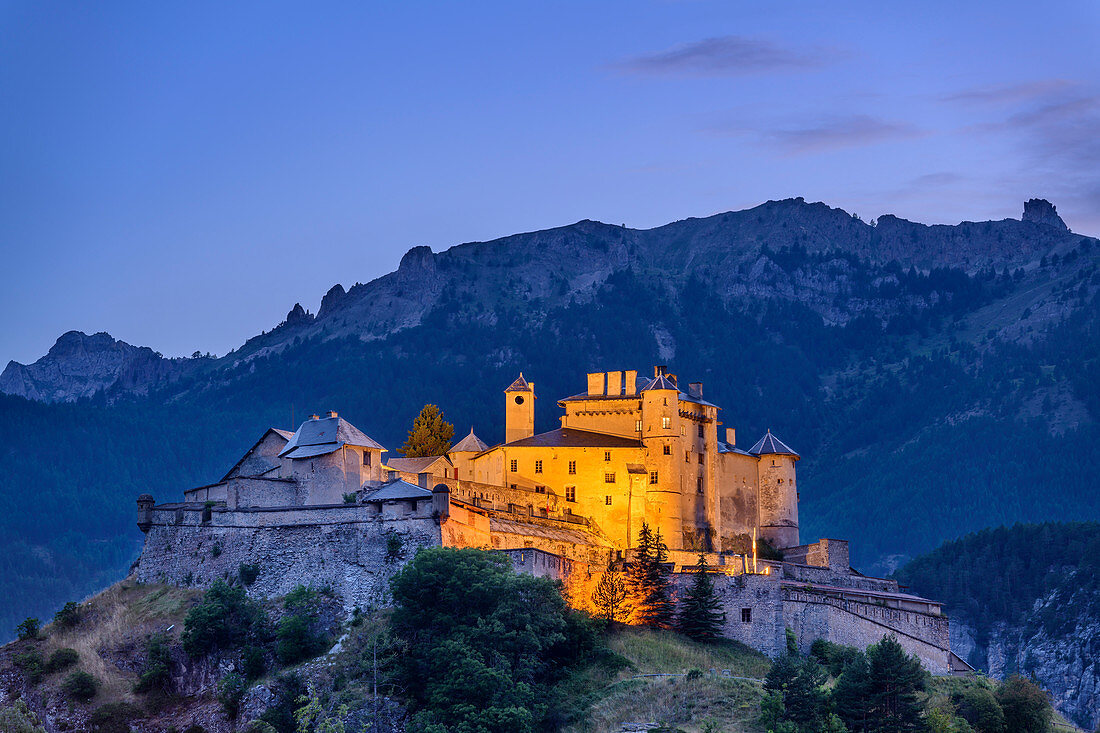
{"points": [[1058, 644], [79, 365], [544, 270]]}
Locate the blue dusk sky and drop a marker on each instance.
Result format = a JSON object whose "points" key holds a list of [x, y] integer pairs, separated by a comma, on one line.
{"points": [[180, 174]]}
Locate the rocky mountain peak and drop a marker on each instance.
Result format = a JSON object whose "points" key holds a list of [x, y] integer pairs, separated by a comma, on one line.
{"points": [[298, 315], [332, 300], [1041, 211]]}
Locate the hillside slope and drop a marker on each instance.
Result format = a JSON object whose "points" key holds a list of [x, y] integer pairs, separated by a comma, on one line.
{"points": [[930, 393]]}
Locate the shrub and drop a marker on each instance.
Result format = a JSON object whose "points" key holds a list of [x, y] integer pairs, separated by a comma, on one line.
{"points": [[216, 551], [980, 708], [68, 616], [19, 718], [156, 671], [1026, 706], [297, 641], [248, 573], [114, 717], [32, 666], [80, 686], [351, 498], [280, 712], [253, 663], [28, 628], [61, 659], [224, 619], [394, 545], [231, 689]]}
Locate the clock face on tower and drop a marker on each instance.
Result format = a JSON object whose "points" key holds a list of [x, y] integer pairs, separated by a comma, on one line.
{"points": [[519, 399]]}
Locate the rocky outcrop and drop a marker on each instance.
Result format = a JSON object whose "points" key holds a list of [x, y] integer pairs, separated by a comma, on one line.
{"points": [[1041, 211], [79, 365]]}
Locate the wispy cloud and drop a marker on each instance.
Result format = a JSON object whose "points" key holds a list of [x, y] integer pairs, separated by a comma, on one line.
{"points": [[825, 134], [1009, 93], [728, 56]]}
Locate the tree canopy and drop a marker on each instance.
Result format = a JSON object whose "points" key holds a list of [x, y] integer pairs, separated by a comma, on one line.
{"points": [[430, 435]]}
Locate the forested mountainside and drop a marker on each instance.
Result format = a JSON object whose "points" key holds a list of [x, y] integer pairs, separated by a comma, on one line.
{"points": [[1024, 600], [930, 393]]}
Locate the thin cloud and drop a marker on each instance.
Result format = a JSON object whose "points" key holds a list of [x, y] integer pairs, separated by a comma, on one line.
{"points": [[1009, 93], [843, 132], [727, 56]]}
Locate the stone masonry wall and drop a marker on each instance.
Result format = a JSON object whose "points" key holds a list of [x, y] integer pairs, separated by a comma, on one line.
{"points": [[343, 548], [815, 616]]}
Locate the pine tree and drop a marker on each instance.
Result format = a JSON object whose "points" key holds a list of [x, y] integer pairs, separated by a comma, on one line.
{"points": [[610, 595], [430, 434], [653, 584], [896, 680], [701, 616]]}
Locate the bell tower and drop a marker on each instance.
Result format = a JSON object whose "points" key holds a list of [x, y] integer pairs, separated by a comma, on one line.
{"points": [[519, 410]]}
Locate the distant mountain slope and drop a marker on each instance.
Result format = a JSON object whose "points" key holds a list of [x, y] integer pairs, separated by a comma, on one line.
{"points": [[1025, 600], [929, 396]]}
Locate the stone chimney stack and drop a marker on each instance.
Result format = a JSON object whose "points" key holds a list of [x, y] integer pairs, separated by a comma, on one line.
{"points": [[595, 384], [332, 413], [631, 379], [423, 479], [695, 389], [731, 437], [659, 370], [614, 384]]}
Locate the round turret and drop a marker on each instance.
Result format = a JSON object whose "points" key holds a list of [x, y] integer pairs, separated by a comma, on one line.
{"points": [[777, 504]]}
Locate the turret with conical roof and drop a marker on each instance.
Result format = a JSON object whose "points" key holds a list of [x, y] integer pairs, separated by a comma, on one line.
{"points": [[778, 502], [519, 410]]}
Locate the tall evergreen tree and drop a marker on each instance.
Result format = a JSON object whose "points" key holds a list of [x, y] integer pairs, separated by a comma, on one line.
{"points": [[896, 678], [801, 682], [852, 695], [610, 595], [650, 583], [430, 435], [701, 615]]}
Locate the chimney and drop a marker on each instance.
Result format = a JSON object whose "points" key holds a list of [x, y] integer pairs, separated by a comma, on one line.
{"points": [[595, 384], [695, 389], [332, 413], [731, 437], [631, 382], [314, 417], [659, 370], [672, 378], [423, 478], [614, 384]]}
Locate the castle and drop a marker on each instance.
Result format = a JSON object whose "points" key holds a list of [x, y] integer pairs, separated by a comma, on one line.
{"points": [[323, 505]]}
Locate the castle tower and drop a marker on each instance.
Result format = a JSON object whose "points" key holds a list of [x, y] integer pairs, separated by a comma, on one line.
{"points": [[519, 410], [777, 506], [661, 438]]}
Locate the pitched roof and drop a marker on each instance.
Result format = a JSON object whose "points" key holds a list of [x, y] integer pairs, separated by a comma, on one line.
{"points": [[470, 444], [397, 489], [418, 464], [284, 434], [520, 385], [573, 438], [771, 444], [316, 437], [661, 382]]}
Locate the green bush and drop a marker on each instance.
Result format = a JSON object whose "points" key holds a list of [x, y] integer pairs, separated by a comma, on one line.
{"points": [[28, 628], [1026, 706], [156, 671], [225, 618], [231, 689], [61, 659], [114, 717], [297, 641], [253, 663], [32, 666], [19, 718], [80, 686], [280, 712], [248, 573], [68, 616]]}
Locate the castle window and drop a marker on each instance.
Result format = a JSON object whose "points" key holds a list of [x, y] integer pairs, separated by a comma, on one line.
{"points": [[746, 615], [687, 456], [699, 485], [666, 423], [609, 478], [700, 459], [780, 480], [366, 458], [607, 500], [538, 466], [668, 450], [515, 465], [607, 455], [540, 489], [572, 468], [512, 486], [666, 401], [637, 426], [653, 477], [682, 430], [570, 493], [700, 430]]}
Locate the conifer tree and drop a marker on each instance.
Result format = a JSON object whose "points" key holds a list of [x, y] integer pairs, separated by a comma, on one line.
{"points": [[896, 680], [650, 584], [701, 615], [430, 435], [610, 595]]}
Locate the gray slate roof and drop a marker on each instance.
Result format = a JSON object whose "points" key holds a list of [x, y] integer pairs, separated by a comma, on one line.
{"points": [[325, 435], [573, 438], [415, 465], [470, 444], [397, 489], [520, 385], [770, 444]]}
